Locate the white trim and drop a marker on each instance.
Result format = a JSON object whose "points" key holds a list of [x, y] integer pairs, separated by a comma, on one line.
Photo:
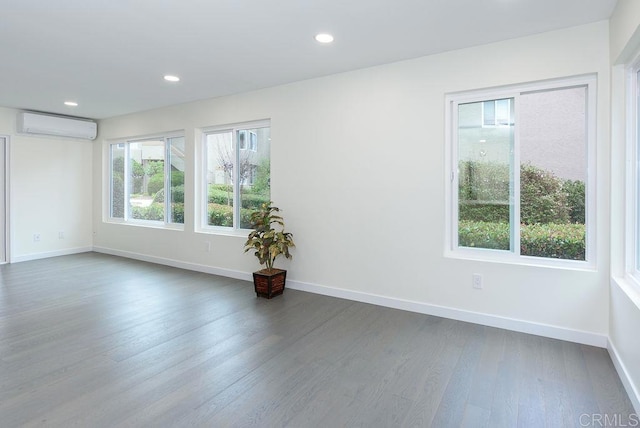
{"points": [[522, 326], [632, 390], [48, 254], [176, 263]]}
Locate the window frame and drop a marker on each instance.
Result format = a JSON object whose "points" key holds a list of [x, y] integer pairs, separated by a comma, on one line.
{"points": [[234, 129], [632, 157], [126, 142], [513, 256]]}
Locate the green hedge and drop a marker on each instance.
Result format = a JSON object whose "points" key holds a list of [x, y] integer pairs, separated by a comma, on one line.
{"points": [[558, 241], [219, 195], [544, 198], [484, 212], [575, 191], [483, 234], [222, 215], [155, 212], [155, 184], [152, 212], [177, 194]]}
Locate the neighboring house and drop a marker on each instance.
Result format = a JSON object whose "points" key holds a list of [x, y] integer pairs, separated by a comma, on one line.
{"points": [[253, 146], [551, 127]]}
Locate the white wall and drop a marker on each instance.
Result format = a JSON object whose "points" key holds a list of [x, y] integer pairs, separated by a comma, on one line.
{"points": [[358, 167], [624, 31], [50, 192], [625, 296]]}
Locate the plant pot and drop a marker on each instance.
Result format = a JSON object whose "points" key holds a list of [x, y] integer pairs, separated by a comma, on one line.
{"points": [[269, 283]]}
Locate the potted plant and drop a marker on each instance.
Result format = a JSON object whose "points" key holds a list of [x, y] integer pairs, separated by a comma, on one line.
{"points": [[268, 243]]}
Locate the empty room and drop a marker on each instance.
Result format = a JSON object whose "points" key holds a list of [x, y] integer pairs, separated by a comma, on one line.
{"points": [[320, 214]]}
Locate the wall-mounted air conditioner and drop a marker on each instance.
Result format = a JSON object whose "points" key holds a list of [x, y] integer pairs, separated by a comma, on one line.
{"points": [[61, 126]]}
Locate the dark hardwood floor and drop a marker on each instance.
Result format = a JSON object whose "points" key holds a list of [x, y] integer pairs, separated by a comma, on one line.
{"points": [[92, 340]]}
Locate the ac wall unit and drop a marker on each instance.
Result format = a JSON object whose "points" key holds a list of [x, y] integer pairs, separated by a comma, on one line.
{"points": [[60, 126]]}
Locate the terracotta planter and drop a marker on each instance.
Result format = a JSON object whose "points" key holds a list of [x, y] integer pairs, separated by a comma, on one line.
{"points": [[269, 283]]}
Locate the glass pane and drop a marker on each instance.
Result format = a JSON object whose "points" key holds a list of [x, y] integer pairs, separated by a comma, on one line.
{"points": [[485, 158], [220, 162], [117, 181], [255, 171], [176, 180], [146, 180], [553, 173]]}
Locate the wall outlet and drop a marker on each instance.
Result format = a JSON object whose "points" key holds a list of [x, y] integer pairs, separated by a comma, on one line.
{"points": [[476, 281], [60, 235], [207, 247], [36, 237]]}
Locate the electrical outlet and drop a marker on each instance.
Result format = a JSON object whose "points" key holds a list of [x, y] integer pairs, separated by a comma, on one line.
{"points": [[476, 281], [36, 237], [60, 235], [207, 247]]}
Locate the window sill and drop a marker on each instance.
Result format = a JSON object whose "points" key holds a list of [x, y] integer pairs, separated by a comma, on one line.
{"points": [[149, 225], [241, 233], [629, 286], [492, 256]]}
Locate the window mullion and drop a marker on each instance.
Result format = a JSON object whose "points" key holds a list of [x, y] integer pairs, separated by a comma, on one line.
{"points": [[127, 180], [515, 218], [236, 180], [167, 181], [454, 176]]}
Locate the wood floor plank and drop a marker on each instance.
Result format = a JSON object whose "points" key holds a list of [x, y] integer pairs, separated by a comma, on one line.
{"points": [[92, 340]]}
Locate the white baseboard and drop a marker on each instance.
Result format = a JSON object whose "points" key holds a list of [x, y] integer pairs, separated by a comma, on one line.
{"points": [[176, 263], [629, 386], [554, 332], [47, 254], [550, 331]]}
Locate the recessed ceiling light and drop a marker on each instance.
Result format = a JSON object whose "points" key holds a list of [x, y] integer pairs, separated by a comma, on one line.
{"points": [[71, 103], [170, 78], [324, 38]]}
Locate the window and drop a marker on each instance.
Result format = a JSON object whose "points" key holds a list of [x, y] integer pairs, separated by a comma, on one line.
{"points": [[521, 173], [147, 180], [633, 174], [497, 112], [237, 169]]}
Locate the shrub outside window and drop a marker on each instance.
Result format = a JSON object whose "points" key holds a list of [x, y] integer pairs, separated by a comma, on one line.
{"points": [[147, 180], [237, 174], [521, 164]]}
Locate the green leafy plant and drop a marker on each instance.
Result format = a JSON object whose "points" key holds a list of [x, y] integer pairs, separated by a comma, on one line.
{"points": [[558, 241], [268, 242]]}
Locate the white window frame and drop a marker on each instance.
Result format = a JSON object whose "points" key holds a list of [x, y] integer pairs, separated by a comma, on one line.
{"points": [[234, 129], [127, 163], [512, 256], [632, 157]]}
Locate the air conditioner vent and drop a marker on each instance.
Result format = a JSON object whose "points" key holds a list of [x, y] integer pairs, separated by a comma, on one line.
{"points": [[60, 126]]}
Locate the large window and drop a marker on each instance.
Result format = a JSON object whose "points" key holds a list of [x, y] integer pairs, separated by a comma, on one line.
{"points": [[147, 180], [237, 169], [521, 172], [633, 174]]}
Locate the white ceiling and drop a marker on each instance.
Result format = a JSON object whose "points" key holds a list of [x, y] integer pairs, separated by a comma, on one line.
{"points": [[110, 55]]}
